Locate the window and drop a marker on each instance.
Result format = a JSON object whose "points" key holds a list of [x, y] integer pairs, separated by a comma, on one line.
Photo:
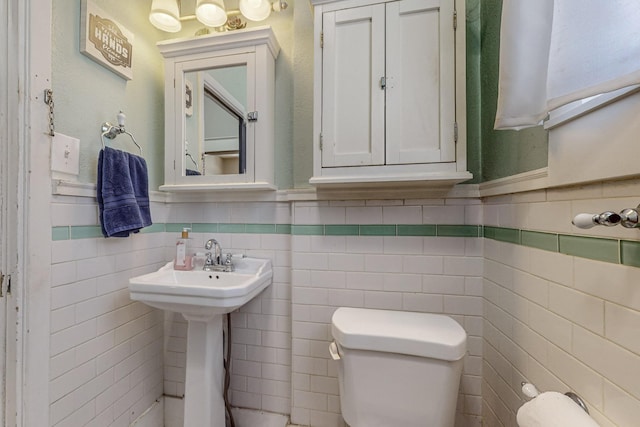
{"points": [[557, 54]]}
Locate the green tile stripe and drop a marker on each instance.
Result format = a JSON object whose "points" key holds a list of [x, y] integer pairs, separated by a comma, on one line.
{"points": [[538, 240], [341, 230], [283, 228], [204, 228], [60, 233], [231, 228], [416, 230], [387, 230], [458, 230], [260, 228], [630, 253], [625, 252], [607, 250], [177, 227], [154, 228], [85, 231], [63, 233], [377, 230], [307, 230], [509, 235]]}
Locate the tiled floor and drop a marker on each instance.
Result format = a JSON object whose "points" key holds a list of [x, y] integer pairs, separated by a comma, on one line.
{"points": [[252, 418], [173, 416]]}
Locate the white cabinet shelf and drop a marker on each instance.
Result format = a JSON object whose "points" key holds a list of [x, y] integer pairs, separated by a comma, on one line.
{"points": [[436, 179]]}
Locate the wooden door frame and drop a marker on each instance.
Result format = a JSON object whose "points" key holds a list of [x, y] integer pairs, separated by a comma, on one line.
{"points": [[5, 343], [28, 74]]}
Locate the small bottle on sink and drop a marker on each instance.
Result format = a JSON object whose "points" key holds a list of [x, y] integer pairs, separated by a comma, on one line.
{"points": [[184, 257]]}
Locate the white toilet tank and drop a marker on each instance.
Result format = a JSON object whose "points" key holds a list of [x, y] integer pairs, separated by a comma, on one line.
{"points": [[397, 369]]}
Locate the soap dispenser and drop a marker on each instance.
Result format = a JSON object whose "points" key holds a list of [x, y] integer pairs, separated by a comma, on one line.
{"points": [[184, 257]]}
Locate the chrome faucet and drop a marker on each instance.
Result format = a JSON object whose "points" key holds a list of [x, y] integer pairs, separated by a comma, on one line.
{"points": [[213, 261], [217, 250]]}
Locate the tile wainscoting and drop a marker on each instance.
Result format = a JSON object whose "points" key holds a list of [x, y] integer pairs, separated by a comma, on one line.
{"points": [[429, 255]]}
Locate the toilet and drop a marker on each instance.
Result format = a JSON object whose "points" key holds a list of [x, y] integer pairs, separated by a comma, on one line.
{"points": [[397, 369]]}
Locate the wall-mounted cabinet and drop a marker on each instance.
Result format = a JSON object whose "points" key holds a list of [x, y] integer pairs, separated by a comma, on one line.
{"points": [[219, 111], [389, 97]]}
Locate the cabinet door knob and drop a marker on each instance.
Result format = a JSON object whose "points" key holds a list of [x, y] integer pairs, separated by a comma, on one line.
{"points": [[383, 82]]}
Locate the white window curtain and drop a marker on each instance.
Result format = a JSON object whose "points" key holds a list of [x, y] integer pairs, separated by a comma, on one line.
{"points": [[553, 52]]}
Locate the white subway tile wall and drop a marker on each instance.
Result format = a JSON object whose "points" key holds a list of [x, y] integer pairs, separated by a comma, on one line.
{"points": [[106, 351], [424, 274], [558, 321]]}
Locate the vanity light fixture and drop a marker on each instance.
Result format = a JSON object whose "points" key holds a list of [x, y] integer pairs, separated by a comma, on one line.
{"points": [[165, 14]]}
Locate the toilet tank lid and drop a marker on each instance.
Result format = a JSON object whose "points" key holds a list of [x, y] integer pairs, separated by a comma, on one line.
{"points": [[418, 334]]}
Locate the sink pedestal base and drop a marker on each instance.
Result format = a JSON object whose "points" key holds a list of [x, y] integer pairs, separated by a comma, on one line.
{"points": [[203, 400]]}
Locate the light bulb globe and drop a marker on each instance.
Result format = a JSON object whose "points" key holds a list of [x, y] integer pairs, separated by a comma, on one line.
{"points": [[255, 10], [165, 15], [211, 13]]}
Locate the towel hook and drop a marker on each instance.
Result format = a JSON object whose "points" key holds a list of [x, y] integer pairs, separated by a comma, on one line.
{"points": [[111, 131]]}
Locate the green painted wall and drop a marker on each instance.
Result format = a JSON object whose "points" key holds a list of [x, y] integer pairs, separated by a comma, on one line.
{"points": [[303, 91], [474, 92], [87, 94], [503, 153]]}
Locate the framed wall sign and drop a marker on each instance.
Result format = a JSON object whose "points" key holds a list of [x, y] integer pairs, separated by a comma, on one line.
{"points": [[104, 40]]}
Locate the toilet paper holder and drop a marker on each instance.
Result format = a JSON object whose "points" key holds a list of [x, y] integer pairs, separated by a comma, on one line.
{"points": [[530, 390]]}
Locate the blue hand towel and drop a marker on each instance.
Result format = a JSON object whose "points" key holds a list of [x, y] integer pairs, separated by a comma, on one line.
{"points": [[140, 181], [122, 193]]}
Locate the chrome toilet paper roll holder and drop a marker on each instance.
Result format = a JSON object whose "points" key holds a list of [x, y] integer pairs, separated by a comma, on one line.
{"points": [[531, 391]]}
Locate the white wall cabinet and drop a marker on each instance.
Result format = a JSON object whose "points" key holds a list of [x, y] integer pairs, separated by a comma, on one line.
{"points": [[389, 93], [237, 70]]}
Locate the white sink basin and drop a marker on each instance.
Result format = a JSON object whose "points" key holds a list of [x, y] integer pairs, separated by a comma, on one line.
{"points": [[201, 293]]}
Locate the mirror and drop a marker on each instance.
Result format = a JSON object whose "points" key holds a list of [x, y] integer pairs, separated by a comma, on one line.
{"points": [[219, 111], [215, 121]]}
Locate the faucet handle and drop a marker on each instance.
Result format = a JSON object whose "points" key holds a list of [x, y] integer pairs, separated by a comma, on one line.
{"points": [[228, 264], [629, 218]]}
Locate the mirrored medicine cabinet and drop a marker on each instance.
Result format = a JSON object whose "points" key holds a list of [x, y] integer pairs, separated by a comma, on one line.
{"points": [[219, 111]]}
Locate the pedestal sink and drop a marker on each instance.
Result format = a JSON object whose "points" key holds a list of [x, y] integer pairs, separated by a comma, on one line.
{"points": [[203, 297]]}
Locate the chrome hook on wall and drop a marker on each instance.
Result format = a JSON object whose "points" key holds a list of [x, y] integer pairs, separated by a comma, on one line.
{"points": [[628, 218]]}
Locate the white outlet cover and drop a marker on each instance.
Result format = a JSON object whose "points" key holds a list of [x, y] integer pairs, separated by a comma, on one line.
{"points": [[65, 154]]}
